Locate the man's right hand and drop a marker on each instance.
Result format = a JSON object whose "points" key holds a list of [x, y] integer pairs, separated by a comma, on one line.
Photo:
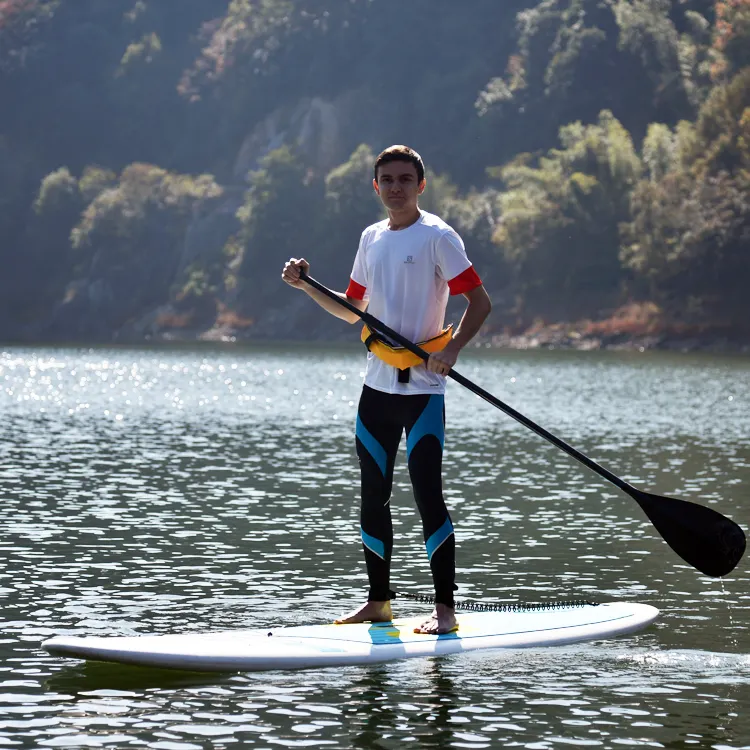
{"points": [[291, 271]]}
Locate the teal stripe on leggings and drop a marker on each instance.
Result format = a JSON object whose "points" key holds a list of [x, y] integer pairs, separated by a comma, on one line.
{"points": [[434, 542], [430, 422], [374, 448], [373, 544]]}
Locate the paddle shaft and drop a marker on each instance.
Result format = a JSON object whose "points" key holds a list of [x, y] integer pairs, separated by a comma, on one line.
{"points": [[474, 388]]}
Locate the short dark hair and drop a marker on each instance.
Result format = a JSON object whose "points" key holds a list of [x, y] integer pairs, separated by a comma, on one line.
{"points": [[400, 153]]}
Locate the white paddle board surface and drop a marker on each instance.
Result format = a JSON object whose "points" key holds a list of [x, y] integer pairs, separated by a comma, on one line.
{"points": [[337, 645]]}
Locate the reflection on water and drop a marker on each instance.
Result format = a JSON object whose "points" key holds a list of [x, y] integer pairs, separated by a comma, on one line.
{"points": [[92, 677], [170, 491]]}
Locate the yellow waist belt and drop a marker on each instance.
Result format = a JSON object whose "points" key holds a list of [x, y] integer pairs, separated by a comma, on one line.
{"points": [[397, 356]]}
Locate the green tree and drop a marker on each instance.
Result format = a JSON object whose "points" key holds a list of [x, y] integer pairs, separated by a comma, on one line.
{"points": [[687, 238], [688, 241], [644, 60], [721, 131], [350, 197], [133, 234], [279, 219], [351, 206], [559, 219]]}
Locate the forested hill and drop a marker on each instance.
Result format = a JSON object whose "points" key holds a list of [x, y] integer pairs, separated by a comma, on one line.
{"points": [[160, 159]]}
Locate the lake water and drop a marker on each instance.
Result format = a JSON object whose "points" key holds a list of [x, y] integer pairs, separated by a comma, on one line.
{"points": [[172, 490]]}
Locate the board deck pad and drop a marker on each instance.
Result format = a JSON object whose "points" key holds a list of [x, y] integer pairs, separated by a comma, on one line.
{"points": [[337, 645]]}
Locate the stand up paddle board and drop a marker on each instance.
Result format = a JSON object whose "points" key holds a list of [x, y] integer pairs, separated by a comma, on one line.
{"points": [[337, 645]]}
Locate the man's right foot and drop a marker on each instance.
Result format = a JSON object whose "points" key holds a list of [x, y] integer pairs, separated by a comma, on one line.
{"points": [[368, 612]]}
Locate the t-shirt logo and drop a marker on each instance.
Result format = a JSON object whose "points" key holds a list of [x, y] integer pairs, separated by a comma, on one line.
{"points": [[409, 259]]}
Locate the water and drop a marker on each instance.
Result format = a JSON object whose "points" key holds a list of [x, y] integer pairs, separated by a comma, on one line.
{"points": [[177, 490]]}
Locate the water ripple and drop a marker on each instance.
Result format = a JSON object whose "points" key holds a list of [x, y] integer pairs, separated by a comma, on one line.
{"points": [[180, 490]]}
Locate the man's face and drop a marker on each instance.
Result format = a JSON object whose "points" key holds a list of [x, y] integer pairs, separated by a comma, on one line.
{"points": [[398, 185]]}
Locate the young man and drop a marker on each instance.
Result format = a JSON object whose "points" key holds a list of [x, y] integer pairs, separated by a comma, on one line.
{"points": [[404, 271]]}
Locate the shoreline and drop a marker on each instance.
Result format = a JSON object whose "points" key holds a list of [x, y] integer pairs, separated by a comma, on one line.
{"points": [[549, 338], [613, 334], [582, 341]]}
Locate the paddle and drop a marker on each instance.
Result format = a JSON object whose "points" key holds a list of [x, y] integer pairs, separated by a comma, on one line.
{"points": [[701, 536]]}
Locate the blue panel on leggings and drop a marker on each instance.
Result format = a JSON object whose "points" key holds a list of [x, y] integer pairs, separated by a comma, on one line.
{"points": [[374, 448], [373, 544], [430, 422], [438, 538]]}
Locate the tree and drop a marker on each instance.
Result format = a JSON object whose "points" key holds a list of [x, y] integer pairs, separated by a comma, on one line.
{"points": [[722, 131], [278, 219], [731, 42], [688, 236], [20, 22], [644, 60], [351, 205], [132, 234], [559, 220], [689, 240]]}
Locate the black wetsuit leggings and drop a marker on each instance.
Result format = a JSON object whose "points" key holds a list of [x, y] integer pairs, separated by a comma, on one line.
{"points": [[381, 421]]}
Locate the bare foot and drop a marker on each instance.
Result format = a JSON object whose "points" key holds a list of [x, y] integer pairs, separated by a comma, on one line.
{"points": [[368, 612], [441, 621]]}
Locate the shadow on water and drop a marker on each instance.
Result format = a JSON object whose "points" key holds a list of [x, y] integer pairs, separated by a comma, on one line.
{"points": [[435, 693], [90, 676]]}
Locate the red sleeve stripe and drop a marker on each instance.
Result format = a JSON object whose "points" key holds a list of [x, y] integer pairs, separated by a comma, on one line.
{"points": [[355, 290], [464, 282]]}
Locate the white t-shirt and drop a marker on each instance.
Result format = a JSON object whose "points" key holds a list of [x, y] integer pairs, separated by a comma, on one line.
{"points": [[406, 277]]}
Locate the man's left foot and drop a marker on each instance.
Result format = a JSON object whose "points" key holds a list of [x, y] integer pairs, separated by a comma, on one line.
{"points": [[441, 621]]}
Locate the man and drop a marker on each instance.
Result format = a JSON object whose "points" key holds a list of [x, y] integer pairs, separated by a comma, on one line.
{"points": [[404, 271]]}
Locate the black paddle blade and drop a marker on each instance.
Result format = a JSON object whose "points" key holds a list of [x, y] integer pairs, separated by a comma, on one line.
{"points": [[702, 537]]}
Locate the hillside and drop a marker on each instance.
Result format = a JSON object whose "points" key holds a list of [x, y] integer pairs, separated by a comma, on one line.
{"points": [[160, 160]]}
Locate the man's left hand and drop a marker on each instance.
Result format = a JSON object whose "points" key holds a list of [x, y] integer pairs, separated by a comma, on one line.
{"points": [[442, 362]]}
